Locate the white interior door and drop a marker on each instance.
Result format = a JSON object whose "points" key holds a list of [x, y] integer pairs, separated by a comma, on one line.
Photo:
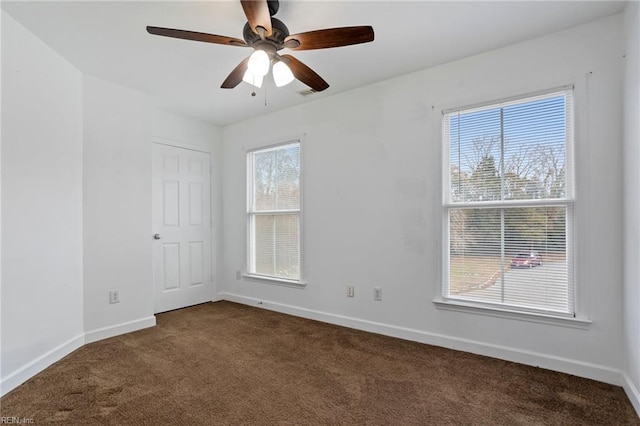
{"points": [[182, 227]]}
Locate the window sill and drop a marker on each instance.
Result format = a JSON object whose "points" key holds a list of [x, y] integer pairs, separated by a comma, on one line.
{"points": [[472, 308], [274, 280]]}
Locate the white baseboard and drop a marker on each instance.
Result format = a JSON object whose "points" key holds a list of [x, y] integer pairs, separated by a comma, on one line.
{"points": [[597, 372], [32, 368], [27, 371], [632, 392], [116, 330]]}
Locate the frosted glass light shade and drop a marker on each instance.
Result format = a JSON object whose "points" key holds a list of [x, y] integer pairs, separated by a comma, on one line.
{"points": [[259, 63], [252, 79], [282, 75]]}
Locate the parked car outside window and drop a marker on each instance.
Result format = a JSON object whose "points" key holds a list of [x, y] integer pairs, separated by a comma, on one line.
{"points": [[526, 259]]}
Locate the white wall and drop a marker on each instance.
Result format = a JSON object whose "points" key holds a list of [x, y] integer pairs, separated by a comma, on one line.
{"points": [[173, 128], [372, 206], [42, 304], [632, 202], [117, 208]]}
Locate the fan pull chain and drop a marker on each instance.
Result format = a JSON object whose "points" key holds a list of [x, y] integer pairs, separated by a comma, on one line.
{"points": [[253, 85], [265, 95]]}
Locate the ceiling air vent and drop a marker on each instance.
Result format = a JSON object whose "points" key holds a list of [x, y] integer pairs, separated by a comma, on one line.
{"points": [[307, 92]]}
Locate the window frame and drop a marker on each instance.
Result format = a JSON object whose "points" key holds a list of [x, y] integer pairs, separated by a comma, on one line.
{"points": [[444, 300], [249, 187]]}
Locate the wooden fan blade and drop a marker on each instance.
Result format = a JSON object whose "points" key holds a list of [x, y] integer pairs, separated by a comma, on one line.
{"points": [[331, 37], [195, 36], [305, 74], [236, 75], [258, 15]]}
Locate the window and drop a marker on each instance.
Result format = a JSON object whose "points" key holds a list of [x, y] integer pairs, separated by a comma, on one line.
{"points": [[508, 201], [274, 212]]}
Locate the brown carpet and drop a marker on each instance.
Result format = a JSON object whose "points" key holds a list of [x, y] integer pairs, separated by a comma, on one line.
{"points": [[224, 363]]}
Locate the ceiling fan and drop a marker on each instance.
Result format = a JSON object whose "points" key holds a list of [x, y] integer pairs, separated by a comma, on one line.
{"points": [[267, 36]]}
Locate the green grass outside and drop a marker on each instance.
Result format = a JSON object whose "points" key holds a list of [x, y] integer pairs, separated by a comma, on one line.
{"points": [[472, 272]]}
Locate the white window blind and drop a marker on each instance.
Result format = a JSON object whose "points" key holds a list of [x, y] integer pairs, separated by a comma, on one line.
{"points": [[508, 200], [274, 211]]}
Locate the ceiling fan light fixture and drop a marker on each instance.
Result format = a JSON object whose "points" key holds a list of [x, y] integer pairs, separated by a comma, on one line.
{"points": [[259, 63], [252, 79], [267, 36], [282, 74]]}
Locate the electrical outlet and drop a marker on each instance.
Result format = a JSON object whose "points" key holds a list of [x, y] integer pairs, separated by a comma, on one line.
{"points": [[114, 296], [377, 293], [351, 290], [238, 275]]}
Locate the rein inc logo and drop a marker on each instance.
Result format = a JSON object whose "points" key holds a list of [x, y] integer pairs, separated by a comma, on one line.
{"points": [[16, 420]]}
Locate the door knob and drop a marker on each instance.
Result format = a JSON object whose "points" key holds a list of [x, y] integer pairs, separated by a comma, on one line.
{"points": [[156, 236]]}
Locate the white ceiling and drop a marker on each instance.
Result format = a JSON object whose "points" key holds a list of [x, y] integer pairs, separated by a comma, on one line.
{"points": [[109, 40]]}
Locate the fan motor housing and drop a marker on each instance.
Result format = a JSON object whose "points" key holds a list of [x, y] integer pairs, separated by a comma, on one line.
{"points": [[279, 32]]}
